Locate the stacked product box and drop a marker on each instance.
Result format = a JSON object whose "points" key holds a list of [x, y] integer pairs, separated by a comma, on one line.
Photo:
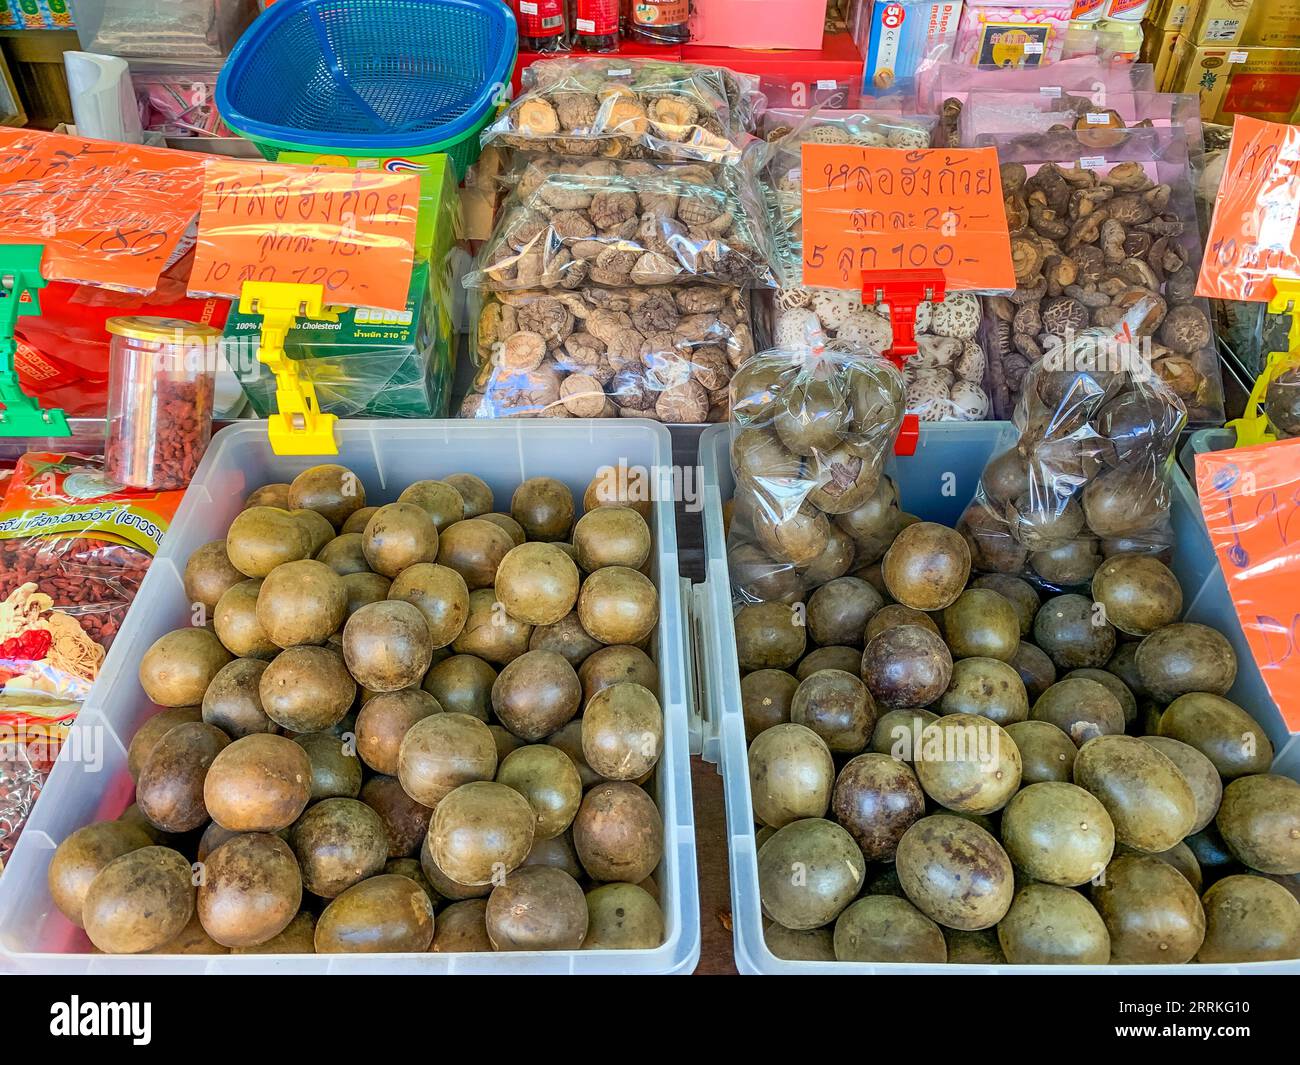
{"points": [[900, 35], [1243, 57], [377, 363]]}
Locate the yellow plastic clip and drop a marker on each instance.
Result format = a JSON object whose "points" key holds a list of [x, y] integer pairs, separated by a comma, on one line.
{"points": [[1252, 427], [299, 427]]}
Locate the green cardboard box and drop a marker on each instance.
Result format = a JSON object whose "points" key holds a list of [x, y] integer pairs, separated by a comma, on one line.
{"points": [[370, 363], [439, 219]]}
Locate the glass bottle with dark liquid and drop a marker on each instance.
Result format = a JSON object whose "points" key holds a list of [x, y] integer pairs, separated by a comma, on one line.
{"points": [[595, 25], [658, 21], [543, 26]]}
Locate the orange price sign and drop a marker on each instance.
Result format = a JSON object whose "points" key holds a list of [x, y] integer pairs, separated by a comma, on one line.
{"points": [[1253, 236], [350, 231], [1251, 501], [109, 214], [904, 209]]}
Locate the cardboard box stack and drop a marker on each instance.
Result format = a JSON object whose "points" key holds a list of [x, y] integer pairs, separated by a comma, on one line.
{"points": [[1241, 56]]}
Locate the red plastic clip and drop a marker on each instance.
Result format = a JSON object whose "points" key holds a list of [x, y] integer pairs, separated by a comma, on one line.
{"points": [[901, 291]]}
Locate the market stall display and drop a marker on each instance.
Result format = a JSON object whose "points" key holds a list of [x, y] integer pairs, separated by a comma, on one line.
{"points": [[1120, 725], [404, 585], [425, 690], [1099, 228]]}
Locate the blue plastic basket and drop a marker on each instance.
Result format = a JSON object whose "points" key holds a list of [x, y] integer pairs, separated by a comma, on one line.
{"points": [[368, 77]]}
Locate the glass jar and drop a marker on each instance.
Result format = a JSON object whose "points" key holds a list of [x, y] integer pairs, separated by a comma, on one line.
{"points": [[161, 376]]}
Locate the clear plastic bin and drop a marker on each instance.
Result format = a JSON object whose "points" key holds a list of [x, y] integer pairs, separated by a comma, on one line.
{"points": [[936, 483], [162, 29], [90, 781]]}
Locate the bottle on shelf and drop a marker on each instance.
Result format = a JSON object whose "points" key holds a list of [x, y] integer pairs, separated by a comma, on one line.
{"points": [[543, 25], [595, 25], [658, 21]]}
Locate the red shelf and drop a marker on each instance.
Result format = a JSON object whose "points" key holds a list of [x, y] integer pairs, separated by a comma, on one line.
{"points": [[838, 58]]}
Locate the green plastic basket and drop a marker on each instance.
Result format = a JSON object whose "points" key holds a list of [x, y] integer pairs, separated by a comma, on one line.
{"points": [[463, 151]]}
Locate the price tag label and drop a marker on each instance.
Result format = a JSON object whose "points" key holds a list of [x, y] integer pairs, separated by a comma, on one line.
{"points": [[1253, 236], [892, 209], [827, 84], [1033, 48], [112, 215], [1098, 118], [350, 231], [1238, 57], [1092, 162], [1250, 498], [526, 7], [1051, 91]]}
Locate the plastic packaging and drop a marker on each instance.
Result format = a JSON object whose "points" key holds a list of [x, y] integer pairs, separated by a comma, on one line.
{"points": [[810, 432], [905, 35], [74, 546], [163, 29], [1282, 400], [179, 104], [1001, 34], [1085, 76], [161, 377], [370, 363], [1102, 235], [1089, 476], [1095, 116], [571, 223], [620, 107], [945, 379], [385, 456], [666, 353]]}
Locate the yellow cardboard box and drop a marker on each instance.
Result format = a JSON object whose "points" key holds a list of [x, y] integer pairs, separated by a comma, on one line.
{"points": [[1255, 23], [1264, 82], [1167, 52], [1172, 15]]}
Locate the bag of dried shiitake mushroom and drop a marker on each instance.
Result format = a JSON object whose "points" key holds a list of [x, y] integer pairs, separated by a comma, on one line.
{"points": [[1089, 475], [1088, 245], [621, 108], [598, 222], [666, 353], [811, 430]]}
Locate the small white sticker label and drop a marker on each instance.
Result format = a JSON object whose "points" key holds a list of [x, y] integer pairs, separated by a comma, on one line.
{"points": [[622, 72], [1033, 48], [1098, 118], [1238, 57], [826, 84], [1053, 91], [1092, 162], [527, 8], [585, 25]]}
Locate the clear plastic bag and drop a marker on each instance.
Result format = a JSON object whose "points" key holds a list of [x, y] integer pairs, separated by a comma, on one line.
{"points": [[1282, 400], [1102, 236], [163, 29], [1089, 475], [573, 222], [1098, 118], [617, 107], [811, 430], [666, 353]]}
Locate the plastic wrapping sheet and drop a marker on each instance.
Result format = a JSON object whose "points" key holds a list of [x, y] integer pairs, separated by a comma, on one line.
{"points": [[991, 112], [1098, 232], [1282, 399], [163, 29], [74, 547], [1088, 476], [1253, 236], [942, 87], [111, 215], [811, 430], [666, 353], [623, 108], [572, 222], [997, 33]]}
